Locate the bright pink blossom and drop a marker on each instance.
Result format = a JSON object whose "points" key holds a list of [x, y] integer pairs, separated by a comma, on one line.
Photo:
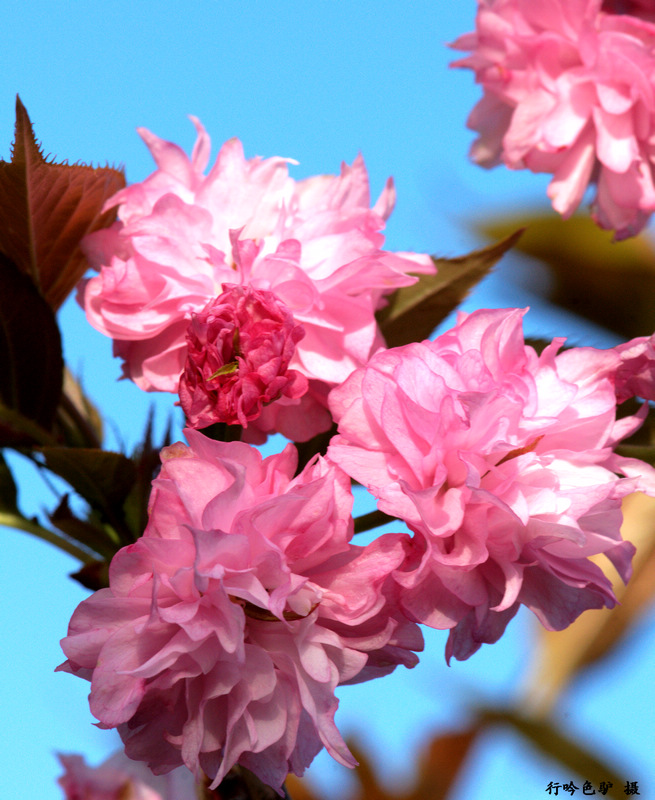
{"points": [[228, 625], [569, 88], [181, 234], [238, 352], [501, 463], [119, 778]]}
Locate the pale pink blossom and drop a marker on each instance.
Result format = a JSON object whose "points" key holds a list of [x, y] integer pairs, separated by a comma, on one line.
{"points": [[229, 624], [500, 461], [119, 778], [569, 89], [238, 352], [181, 234]]}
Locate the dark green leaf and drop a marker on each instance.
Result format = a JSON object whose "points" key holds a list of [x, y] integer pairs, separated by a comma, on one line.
{"points": [[79, 423], [84, 532], [8, 491], [413, 312], [104, 479], [18, 431], [93, 576], [147, 463], [31, 363], [317, 444]]}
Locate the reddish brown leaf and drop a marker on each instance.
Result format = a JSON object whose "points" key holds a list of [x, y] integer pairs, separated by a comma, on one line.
{"points": [[47, 208], [370, 787], [441, 764], [300, 789]]}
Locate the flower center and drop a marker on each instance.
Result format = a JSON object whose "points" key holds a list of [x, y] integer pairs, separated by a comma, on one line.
{"points": [[255, 612]]}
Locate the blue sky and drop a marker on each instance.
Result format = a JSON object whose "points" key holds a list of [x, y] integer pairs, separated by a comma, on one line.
{"points": [[318, 82]]}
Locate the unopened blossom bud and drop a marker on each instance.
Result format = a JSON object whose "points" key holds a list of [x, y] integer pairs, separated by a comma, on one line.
{"points": [[239, 349]]}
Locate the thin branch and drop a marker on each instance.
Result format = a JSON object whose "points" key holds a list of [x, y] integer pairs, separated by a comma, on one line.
{"points": [[371, 520], [12, 520]]}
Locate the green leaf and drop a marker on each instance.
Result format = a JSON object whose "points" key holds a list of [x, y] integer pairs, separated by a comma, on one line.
{"points": [[82, 531], [413, 312], [104, 479], [226, 369], [31, 363], [147, 462], [47, 208], [78, 421], [93, 576], [18, 431]]}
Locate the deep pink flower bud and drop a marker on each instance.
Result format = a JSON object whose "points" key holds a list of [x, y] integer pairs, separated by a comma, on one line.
{"points": [[239, 349]]}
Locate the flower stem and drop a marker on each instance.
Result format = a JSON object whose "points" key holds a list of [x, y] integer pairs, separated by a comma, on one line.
{"points": [[371, 520], [13, 520]]}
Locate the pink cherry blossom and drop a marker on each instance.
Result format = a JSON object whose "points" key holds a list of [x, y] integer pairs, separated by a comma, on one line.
{"points": [[118, 778], [238, 352], [500, 461], [228, 625], [569, 90], [181, 234]]}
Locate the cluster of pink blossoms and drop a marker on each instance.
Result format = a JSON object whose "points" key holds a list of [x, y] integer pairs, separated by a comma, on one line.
{"points": [[228, 626], [500, 462], [568, 90], [181, 235]]}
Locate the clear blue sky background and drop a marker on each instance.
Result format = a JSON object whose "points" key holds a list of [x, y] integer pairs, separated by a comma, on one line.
{"points": [[317, 81]]}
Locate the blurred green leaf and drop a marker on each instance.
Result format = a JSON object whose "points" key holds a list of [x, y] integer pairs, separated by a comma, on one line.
{"points": [[413, 312], [437, 769], [548, 739], [610, 283], [19, 431]]}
